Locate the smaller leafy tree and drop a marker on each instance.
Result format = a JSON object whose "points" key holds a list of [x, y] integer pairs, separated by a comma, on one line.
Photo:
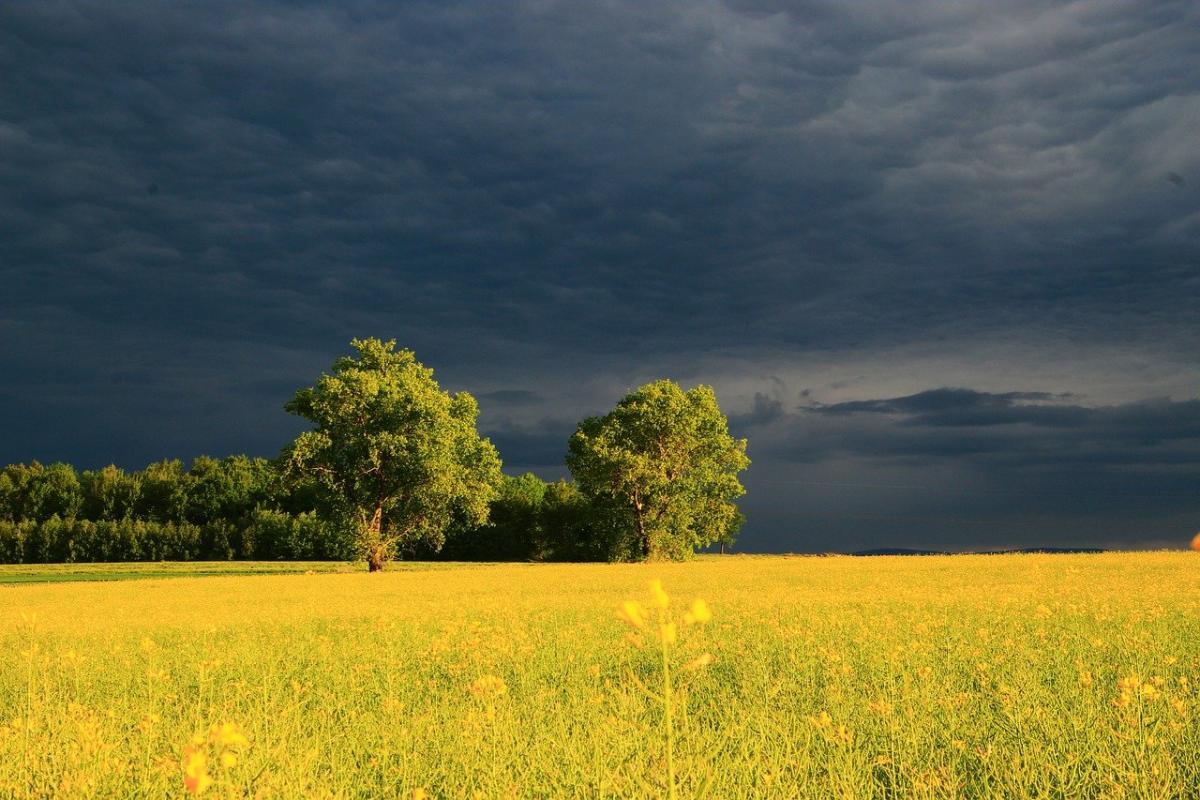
{"points": [[398, 458], [513, 529], [54, 491], [227, 490], [12, 484], [578, 528], [662, 461], [109, 493], [162, 496], [37, 492], [207, 488]]}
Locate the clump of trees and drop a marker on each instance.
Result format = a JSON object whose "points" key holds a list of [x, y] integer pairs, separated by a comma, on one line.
{"points": [[395, 467], [532, 520]]}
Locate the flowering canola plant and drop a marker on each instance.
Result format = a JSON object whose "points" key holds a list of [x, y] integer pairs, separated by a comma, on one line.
{"points": [[941, 677], [665, 631]]}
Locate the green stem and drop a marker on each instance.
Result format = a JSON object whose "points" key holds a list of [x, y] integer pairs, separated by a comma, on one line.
{"points": [[668, 717], [495, 749], [28, 717]]}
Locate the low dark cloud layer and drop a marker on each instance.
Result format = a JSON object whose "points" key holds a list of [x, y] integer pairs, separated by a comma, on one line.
{"points": [[935, 468], [831, 212]]}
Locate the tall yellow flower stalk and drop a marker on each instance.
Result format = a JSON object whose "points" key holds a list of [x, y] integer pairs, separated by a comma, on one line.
{"points": [[489, 689], [660, 622], [225, 741]]}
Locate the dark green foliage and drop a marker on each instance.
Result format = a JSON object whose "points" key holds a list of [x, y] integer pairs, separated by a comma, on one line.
{"points": [[276, 535], [230, 489], [232, 508], [163, 493], [56, 541], [109, 493], [269, 535], [15, 482], [533, 520], [515, 521], [12, 541], [576, 528], [221, 541], [55, 492], [208, 491], [585, 528], [512, 532], [34, 491]]}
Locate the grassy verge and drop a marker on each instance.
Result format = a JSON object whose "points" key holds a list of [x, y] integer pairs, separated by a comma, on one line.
{"points": [[59, 573]]}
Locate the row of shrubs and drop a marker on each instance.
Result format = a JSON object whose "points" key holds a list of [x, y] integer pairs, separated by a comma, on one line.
{"points": [[262, 535]]}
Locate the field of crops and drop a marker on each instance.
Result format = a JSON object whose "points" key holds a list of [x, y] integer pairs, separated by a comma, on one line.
{"points": [[964, 676]]}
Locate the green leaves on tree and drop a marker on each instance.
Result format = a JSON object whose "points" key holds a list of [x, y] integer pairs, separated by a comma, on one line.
{"points": [[663, 462], [400, 458]]}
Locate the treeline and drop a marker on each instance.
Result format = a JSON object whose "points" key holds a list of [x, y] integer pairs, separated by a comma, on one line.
{"points": [[243, 508], [212, 490], [394, 467], [232, 508], [263, 535]]}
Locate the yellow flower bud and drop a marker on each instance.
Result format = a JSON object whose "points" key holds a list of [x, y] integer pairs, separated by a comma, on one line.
{"points": [[631, 611], [698, 614], [661, 599]]}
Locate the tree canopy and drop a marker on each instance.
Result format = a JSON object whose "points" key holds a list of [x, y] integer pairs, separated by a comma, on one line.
{"points": [[399, 458], [664, 463]]}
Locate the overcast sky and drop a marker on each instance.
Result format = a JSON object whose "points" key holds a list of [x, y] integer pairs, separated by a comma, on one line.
{"points": [[940, 260]]}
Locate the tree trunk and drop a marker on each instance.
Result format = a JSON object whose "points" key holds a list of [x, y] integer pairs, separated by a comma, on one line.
{"points": [[376, 549], [375, 559], [641, 525]]}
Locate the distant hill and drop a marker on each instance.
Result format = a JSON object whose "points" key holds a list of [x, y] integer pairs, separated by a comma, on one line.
{"points": [[1046, 550], [905, 551], [898, 551]]}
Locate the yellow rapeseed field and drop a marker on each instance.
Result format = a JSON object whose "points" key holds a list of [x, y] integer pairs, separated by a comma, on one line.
{"points": [[968, 676]]}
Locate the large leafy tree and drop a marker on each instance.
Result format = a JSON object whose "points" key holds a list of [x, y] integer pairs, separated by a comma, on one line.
{"points": [[663, 462], [399, 458]]}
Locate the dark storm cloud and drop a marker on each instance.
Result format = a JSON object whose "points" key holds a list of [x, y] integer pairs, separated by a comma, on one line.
{"points": [[1019, 428], [766, 409], [505, 397], [541, 448], [201, 203], [955, 467], [965, 408]]}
